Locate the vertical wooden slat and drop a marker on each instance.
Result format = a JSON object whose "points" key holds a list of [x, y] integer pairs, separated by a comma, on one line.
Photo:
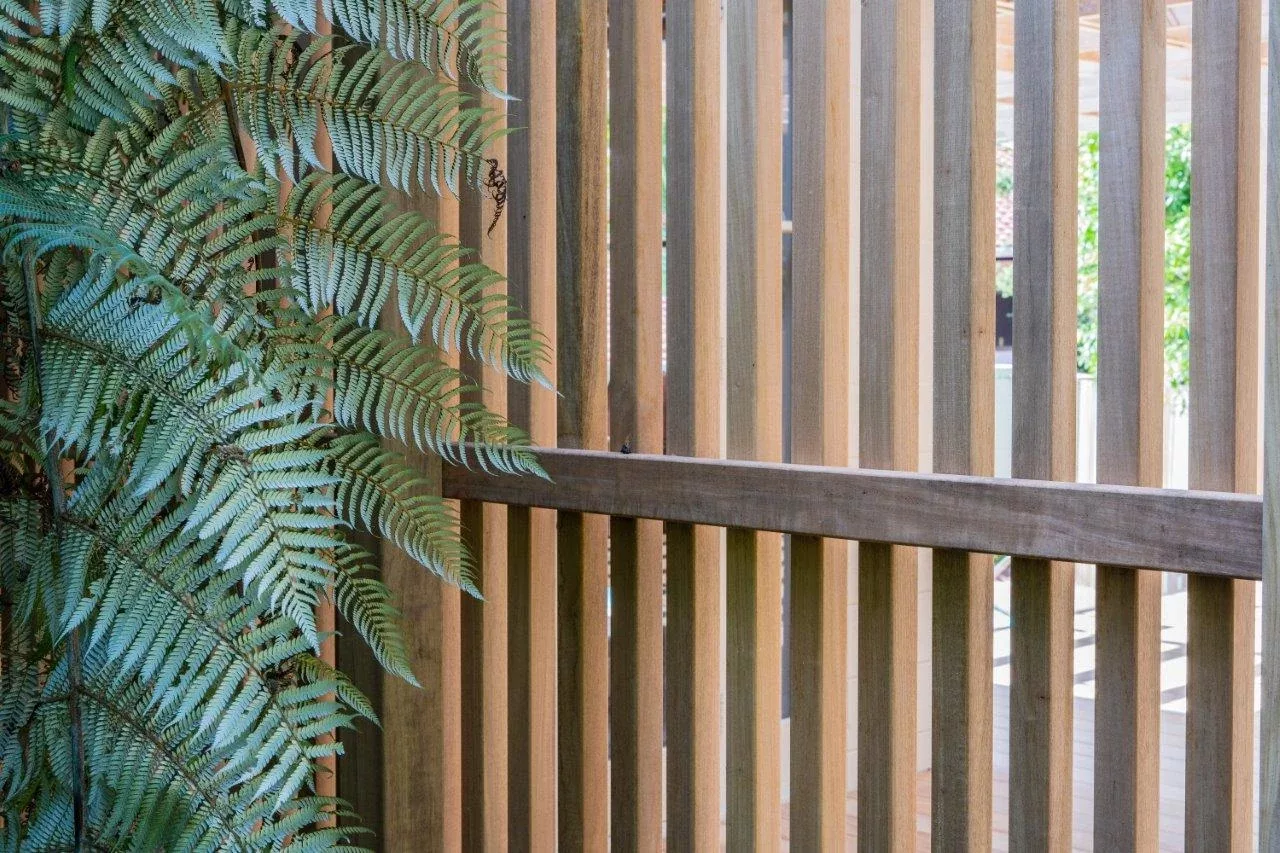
{"points": [[484, 531], [694, 234], [963, 412], [531, 533], [635, 419], [418, 791], [581, 318], [1126, 770], [888, 416], [1044, 345], [1269, 795], [1223, 410], [820, 284], [754, 401]]}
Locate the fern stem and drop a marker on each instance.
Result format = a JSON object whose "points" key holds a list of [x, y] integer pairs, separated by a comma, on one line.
{"points": [[58, 506]]}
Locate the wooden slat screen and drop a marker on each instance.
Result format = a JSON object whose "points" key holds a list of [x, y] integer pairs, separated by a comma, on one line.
{"points": [[621, 685]]}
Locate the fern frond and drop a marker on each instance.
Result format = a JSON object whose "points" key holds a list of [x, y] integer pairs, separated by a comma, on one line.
{"points": [[392, 388], [385, 120], [355, 256], [378, 491], [367, 604]]}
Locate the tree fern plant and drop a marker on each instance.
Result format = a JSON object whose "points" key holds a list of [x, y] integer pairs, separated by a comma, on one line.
{"points": [[197, 409]]}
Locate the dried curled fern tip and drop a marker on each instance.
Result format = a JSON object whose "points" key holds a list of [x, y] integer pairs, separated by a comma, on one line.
{"points": [[221, 367]]}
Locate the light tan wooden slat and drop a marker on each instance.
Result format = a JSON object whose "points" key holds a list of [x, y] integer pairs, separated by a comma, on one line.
{"points": [[1126, 774], [581, 324], [819, 413], [1223, 410], [531, 532], [888, 418], [694, 235], [754, 422], [1044, 346], [963, 412], [1208, 533], [484, 532], [635, 419], [1269, 795]]}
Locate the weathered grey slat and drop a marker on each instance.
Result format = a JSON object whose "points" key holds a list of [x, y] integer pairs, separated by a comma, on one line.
{"points": [[1269, 794], [1208, 533], [695, 233], [963, 413], [888, 414], [821, 280], [1223, 413], [753, 559], [1046, 33], [1130, 414]]}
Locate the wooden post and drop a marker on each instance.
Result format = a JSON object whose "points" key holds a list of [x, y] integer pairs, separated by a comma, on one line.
{"points": [[963, 412], [1126, 772], [1044, 408], [694, 235], [635, 419], [1223, 411], [820, 287], [531, 533], [1269, 796], [581, 318], [754, 400]]}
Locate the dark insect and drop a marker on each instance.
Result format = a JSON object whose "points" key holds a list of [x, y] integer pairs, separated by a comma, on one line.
{"points": [[496, 182], [232, 452]]}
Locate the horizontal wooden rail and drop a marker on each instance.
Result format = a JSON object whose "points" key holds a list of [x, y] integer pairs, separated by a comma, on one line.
{"points": [[1206, 533]]}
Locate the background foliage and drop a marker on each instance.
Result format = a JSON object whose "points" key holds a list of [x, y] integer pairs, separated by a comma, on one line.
{"points": [[1177, 258]]}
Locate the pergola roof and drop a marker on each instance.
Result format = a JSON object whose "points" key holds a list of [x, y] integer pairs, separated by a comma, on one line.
{"points": [[1178, 62]]}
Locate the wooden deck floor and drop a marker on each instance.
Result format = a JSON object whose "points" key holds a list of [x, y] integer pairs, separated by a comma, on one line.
{"points": [[1172, 740]]}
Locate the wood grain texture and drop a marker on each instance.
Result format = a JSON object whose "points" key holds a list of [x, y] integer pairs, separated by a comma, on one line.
{"points": [[1205, 533], [820, 285], [754, 421], [531, 533], [1130, 409], [581, 325], [888, 417], [484, 532], [963, 410], [1269, 794], [635, 418], [1044, 348], [694, 278], [1223, 411]]}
